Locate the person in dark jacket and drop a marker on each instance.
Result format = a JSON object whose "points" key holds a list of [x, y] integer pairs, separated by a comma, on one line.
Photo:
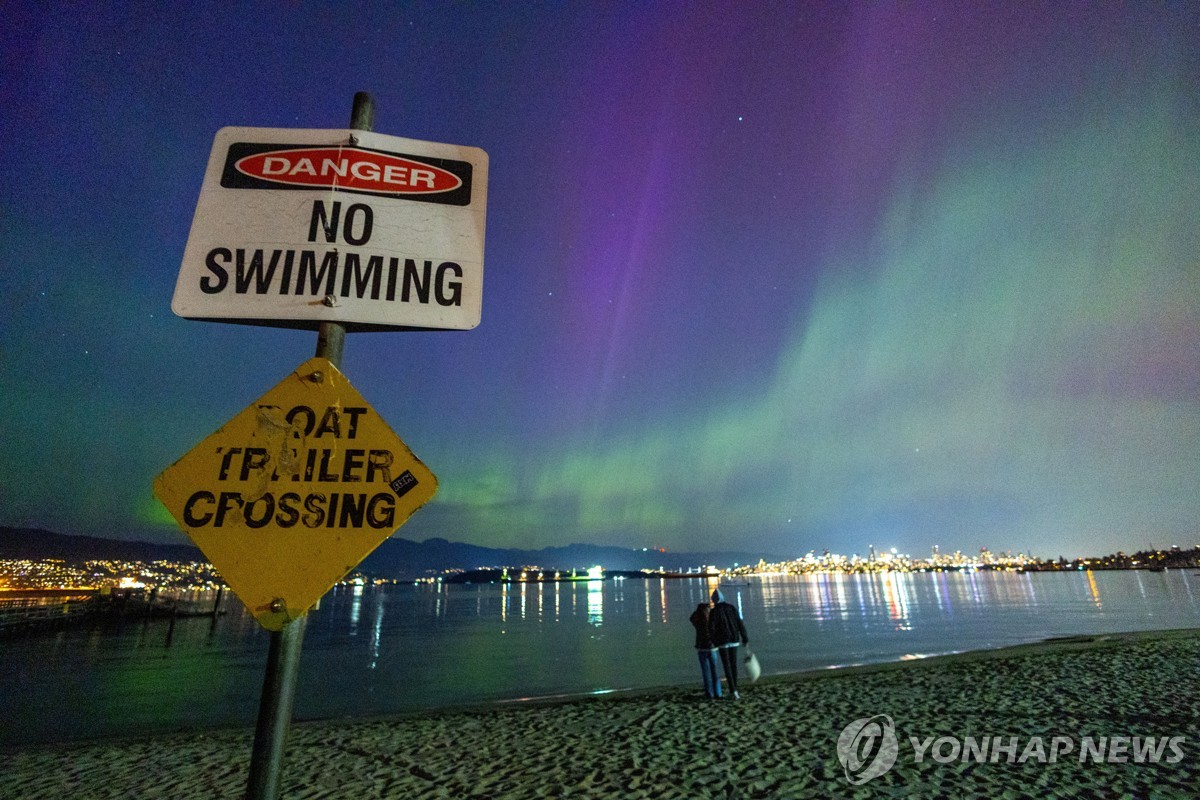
{"points": [[707, 651], [727, 632]]}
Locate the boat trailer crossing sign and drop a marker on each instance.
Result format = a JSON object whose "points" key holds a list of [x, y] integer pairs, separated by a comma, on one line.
{"points": [[292, 493]]}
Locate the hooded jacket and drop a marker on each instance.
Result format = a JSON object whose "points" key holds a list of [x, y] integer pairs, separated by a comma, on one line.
{"points": [[725, 624]]}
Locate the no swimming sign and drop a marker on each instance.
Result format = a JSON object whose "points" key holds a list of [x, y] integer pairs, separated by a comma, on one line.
{"points": [[295, 227]]}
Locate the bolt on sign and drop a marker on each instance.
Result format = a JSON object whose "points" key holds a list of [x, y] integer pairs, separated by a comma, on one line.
{"points": [[293, 492], [295, 227]]}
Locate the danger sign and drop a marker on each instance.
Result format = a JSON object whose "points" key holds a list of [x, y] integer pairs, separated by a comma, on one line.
{"points": [[348, 169], [299, 227], [293, 492]]}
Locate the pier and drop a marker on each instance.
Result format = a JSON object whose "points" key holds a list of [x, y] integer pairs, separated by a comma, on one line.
{"points": [[33, 610]]}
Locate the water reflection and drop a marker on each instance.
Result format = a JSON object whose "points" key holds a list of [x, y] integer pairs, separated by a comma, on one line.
{"points": [[377, 629], [895, 587], [939, 592], [1091, 579], [662, 598], [903, 598], [974, 587], [355, 608], [483, 642], [595, 603], [818, 597]]}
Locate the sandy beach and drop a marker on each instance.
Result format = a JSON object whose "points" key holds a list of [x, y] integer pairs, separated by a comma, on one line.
{"points": [[1112, 716]]}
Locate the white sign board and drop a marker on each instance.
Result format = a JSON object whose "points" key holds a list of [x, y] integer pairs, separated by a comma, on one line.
{"points": [[296, 227]]}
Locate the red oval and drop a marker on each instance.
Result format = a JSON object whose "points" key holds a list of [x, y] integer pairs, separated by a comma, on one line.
{"points": [[348, 168]]}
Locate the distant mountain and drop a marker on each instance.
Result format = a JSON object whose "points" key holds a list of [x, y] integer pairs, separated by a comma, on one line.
{"points": [[34, 543], [395, 558], [414, 558]]}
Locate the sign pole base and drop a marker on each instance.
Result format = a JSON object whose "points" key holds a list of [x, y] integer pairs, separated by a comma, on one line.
{"points": [[275, 711]]}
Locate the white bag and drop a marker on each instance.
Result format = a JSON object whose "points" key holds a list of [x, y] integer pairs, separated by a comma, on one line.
{"points": [[753, 670]]}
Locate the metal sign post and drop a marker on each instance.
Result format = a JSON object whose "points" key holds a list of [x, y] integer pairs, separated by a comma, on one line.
{"points": [[333, 231], [283, 657]]}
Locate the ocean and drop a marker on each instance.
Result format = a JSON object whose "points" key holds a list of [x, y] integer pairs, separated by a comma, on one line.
{"points": [[397, 649]]}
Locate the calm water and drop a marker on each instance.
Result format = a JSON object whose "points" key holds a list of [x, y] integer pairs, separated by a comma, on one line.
{"points": [[406, 648]]}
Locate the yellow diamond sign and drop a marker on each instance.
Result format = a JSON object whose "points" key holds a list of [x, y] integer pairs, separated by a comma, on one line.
{"points": [[293, 492]]}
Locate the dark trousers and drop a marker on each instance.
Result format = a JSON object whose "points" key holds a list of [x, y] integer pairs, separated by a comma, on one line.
{"points": [[729, 660]]}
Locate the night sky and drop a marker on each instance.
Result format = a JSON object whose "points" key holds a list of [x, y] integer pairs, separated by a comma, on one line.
{"points": [[761, 276]]}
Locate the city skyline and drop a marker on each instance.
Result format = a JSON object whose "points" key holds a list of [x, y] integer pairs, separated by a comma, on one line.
{"points": [[64, 571], [788, 276]]}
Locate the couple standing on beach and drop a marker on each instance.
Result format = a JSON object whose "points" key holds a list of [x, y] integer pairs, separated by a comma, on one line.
{"points": [[719, 629]]}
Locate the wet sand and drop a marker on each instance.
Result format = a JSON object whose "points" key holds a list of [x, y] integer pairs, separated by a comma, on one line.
{"points": [[778, 741]]}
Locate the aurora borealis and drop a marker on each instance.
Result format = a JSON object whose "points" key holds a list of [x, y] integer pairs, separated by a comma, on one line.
{"points": [[791, 276]]}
